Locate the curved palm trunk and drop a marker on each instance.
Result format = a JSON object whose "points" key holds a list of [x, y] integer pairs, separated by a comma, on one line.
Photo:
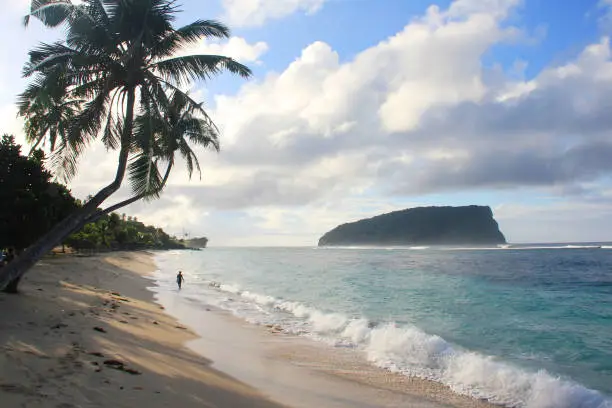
{"points": [[99, 214], [12, 273], [129, 201]]}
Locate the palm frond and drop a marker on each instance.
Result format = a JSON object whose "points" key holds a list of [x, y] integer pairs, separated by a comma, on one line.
{"points": [[190, 157], [111, 49], [90, 31], [200, 133], [182, 70], [47, 56], [193, 105], [64, 161], [144, 176], [51, 13], [188, 35], [111, 137]]}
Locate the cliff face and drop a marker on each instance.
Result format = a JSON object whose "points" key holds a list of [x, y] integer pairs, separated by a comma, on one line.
{"points": [[197, 242], [421, 226]]}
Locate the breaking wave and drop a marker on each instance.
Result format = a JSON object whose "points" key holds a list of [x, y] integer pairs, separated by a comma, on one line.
{"points": [[408, 350]]}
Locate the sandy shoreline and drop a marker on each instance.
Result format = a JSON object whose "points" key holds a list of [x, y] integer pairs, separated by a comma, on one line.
{"points": [[48, 337]]}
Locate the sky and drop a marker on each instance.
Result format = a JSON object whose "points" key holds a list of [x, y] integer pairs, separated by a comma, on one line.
{"points": [[360, 107]]}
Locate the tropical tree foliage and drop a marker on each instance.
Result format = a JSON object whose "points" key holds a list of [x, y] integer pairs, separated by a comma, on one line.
{"points": [[30, 203], [116, 77], [111, 232], [164, 138]]}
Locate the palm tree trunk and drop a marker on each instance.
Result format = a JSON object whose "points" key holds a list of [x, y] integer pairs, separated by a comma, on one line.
{"points": [[13, 285], [129, 201], [11, 274], [99, 214]]}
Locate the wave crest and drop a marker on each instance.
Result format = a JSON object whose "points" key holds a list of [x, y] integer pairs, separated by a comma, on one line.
{"points": [[408, 350]]}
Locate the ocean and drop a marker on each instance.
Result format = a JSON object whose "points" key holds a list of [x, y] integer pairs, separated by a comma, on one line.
{"points": [[520, 325]]}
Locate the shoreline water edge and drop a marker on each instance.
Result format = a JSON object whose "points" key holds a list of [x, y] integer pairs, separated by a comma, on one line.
{"points": [[111, 331], [385, 356], [86, 332], [295, 370]]}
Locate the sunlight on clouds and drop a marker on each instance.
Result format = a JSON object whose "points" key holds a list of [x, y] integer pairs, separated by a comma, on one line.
{"points": [[178, 213], [328, 140], [321, 218], [440, 61], [257, 12], [498, 9], [446, 154], [12, 125], [575, 220], [434, 61], [433, 65], [592, 64], [236, 47]]}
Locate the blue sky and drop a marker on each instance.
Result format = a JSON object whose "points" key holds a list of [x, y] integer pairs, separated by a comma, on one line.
{"points": [[358, 107], [557, 32]]}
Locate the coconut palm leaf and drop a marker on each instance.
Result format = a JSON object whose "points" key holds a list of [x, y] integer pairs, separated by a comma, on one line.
{"points": [[145, 178], [51, 12], [183, 70], [190, 34], [117, 61]]}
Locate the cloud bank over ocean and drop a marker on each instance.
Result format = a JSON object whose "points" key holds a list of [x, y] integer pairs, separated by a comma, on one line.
{"points": [[433, 113]]}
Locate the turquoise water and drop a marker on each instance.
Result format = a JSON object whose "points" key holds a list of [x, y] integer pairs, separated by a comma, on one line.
{"points": [[520, 326]]}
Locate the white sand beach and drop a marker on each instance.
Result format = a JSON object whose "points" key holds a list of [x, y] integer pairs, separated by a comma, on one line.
{"points": [[86, 332]]}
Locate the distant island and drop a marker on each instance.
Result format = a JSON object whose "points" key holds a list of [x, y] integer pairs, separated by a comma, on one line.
{"points": [[466, 225], [197, 242]]}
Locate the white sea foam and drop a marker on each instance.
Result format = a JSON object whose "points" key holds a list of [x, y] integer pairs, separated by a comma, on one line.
{"points": [[404, 349], [470, 248], [228, 288], [582, 246], [557, 247], [522, 247], [411, 351]]}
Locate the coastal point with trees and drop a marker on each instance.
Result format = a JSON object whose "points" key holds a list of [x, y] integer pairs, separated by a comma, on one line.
{"points": [[115, 78]]}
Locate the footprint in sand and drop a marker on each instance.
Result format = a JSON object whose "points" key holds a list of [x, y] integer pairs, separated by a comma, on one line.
{"points": [[119, 365]]}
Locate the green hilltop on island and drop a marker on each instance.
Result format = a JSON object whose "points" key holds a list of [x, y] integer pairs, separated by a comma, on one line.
{"points": [[464, 225]]}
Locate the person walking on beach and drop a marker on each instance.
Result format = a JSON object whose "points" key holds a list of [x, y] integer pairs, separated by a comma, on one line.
{"points": [[180, 279]]}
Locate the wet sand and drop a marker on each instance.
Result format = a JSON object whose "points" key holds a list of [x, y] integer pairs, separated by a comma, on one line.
{"points": [[86, 332]]}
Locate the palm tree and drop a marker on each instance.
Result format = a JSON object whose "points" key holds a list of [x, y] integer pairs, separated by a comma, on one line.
{"points": [[157, 141], [117, 63], [48, 111]]}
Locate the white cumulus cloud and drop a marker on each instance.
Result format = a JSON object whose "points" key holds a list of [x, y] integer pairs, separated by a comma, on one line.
{"points": [[257, 12], [327, 140], [236, 47]]}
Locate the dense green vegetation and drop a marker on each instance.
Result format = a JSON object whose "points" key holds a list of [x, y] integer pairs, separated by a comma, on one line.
{"points": [[116, 76], [114, 232], [30, 202], [472, 224]]}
